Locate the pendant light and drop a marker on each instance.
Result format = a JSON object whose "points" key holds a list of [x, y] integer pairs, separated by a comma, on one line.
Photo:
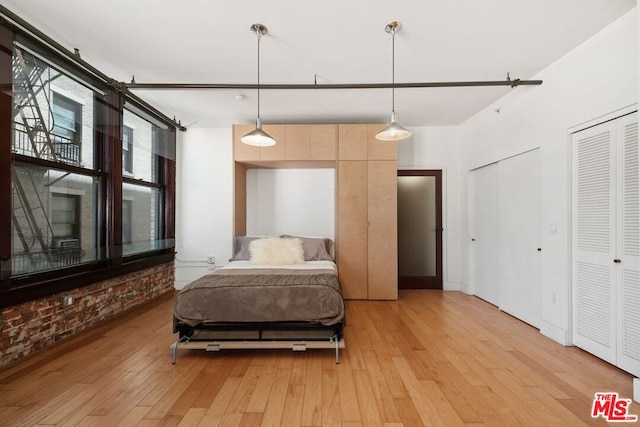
{"points": [[258, 137], [393, 131]]}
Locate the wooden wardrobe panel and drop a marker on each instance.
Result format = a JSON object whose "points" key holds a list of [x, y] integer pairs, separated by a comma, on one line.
{"points": [[383, 229], [380, 150], [240, 200], [298, 146], [242, 151], [324, 139], [352, 142], [352, 228], [277, 151]]}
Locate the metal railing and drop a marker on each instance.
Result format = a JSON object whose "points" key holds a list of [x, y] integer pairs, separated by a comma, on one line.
{"points": [[29, 262], [64, 149]]}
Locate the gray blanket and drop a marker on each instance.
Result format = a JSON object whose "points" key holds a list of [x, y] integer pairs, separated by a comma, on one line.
{"points": [[262, 295]]}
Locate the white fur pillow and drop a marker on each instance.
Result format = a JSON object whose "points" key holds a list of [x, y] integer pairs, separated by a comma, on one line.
{"points": [[276, 251]]}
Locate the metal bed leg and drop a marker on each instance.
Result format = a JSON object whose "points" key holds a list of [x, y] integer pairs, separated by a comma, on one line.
{"points": [[337, 341], [174, 348]]}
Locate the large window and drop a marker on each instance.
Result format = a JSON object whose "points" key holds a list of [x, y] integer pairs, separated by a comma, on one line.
{"points": [[86, 186]]}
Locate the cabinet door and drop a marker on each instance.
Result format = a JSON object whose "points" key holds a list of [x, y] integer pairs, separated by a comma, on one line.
{"points": [[628, 246], [298, 142], [352, 228], [593, 223], [380, 150], [324, 140], [277, 151], [383, 229], [352, 142], [241, 151]]}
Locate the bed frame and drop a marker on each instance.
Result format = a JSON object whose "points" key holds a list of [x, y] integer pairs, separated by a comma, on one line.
{"points": [[298, 336]]}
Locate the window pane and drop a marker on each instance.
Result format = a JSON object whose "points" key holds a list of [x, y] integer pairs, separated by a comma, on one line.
{"points": [[141, 219], [55, 219], [53, 115], [147, 142]]}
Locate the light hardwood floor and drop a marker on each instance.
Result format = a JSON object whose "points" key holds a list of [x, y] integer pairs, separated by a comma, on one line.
{"points": [[430, 358]]}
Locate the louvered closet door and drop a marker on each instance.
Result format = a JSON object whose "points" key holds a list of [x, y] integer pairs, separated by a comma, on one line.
{"points": [[593, 223], [628, 247]]}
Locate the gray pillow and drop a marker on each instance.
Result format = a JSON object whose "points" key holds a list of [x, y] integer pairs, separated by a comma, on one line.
{"points": [[315, 248], [241, 247]]}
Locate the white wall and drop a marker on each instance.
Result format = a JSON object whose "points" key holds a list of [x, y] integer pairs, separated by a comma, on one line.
{"points": [[596, 78], [291, 201], [438, 148], [204, 201]]}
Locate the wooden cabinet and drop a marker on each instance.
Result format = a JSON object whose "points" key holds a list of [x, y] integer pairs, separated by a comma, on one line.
{"points": [[277, 151], [383, 228], [352, 256], [367, 214], [293, 143], [324, 141], [366, 195]]}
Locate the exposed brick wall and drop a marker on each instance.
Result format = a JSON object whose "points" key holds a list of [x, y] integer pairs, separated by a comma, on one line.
{"points": [[28, 327]]}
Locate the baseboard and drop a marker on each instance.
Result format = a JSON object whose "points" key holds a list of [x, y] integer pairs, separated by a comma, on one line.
{"points": [[451, 286], [557, 334]]}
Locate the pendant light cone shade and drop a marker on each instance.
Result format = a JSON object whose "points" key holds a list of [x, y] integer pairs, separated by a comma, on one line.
{"points": [[393, 131], [258, 137]]}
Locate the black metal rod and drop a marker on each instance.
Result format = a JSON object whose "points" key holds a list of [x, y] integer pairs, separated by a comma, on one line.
{"points": [[223, 86]]}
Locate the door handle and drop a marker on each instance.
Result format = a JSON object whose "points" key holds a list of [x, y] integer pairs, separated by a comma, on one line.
{"points": [[473, 240], [617, 261], [539, 249]]}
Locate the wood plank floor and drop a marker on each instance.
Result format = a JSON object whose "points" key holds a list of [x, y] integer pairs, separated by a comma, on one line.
{"points": [[430, 358]]}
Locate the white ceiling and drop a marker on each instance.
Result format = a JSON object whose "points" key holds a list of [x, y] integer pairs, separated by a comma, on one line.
{"points": [[342, 41]]}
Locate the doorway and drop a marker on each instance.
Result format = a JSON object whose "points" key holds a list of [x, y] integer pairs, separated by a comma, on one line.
{"points": [[420, 229]]}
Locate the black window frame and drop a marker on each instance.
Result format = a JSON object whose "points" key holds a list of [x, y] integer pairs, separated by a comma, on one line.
{"points": [[107, 166]]}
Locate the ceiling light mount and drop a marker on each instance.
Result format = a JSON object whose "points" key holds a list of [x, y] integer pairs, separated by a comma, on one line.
{"points": [[258, 137], [259, 29], [393, 131], [392, 27]]}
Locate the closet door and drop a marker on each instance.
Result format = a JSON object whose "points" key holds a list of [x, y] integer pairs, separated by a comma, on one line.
{"points": [[352, 228], [519, 243], [383, 229], [484, 232], [628, 246], [594, 249]]}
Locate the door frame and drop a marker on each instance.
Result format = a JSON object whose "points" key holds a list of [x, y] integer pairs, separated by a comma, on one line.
{"points": [[410, 282]]}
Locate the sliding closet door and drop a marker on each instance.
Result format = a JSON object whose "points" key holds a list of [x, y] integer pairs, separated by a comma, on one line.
{"points": [[519, 241], [628, 246], [594, 249], [484, 232]]}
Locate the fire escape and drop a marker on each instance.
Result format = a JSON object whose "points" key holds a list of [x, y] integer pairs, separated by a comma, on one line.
{"points": [[33, 126]]}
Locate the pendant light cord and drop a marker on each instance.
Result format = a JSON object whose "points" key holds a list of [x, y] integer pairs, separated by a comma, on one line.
{"points": [[258, 33], [393, 69]]}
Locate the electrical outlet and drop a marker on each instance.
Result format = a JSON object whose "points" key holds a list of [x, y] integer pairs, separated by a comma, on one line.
{"points": [[211, 259], [66, 300]]}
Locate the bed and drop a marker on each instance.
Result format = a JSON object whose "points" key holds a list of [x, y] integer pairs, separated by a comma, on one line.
{"points": [[263, 299]]}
